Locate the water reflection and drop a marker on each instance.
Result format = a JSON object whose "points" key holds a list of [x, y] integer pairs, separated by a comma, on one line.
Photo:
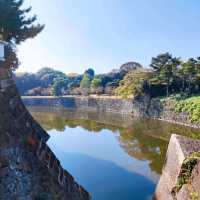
{"points": [[113, 156]]}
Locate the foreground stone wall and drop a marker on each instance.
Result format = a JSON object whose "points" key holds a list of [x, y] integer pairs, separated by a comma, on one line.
{"points": [[180, 178], [29, 170]]}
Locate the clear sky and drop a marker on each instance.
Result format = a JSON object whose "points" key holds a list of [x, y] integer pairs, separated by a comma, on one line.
{"points": [[103, 34]]}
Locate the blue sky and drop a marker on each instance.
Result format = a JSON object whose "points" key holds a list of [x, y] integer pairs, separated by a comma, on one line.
{"points": [[103, 34]]}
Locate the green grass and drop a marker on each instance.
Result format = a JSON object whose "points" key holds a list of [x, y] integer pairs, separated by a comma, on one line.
{"points": [[191, 106]]}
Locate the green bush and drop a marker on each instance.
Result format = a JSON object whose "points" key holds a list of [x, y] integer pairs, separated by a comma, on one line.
{"points": [[191, 106]]}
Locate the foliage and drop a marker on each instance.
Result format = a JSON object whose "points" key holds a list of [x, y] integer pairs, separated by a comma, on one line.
{"points": [[90, 73], [127, 67], [85, 82], [11, 59], [16, 26], [43, 79], [189, 74], [191, 106], [133, 84], [96, 82], [186, 172], [48, 76], [165, 68], [26, 81], [168, 75], [59, 86]]}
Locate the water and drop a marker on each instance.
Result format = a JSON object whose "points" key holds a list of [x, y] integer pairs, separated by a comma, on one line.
{"points": [[114, 157]]}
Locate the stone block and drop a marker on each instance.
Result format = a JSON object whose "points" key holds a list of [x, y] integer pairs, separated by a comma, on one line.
{"points": [[179, 149], [6, 83], [184, 193], [196, 178]]}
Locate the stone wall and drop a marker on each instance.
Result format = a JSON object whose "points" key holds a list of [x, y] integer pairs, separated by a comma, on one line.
{"points": [[140, 107], [28, 168], [180, 178], [107, 104]]}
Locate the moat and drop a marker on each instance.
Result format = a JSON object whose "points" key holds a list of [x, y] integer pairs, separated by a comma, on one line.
{"points": [[112, 156]]}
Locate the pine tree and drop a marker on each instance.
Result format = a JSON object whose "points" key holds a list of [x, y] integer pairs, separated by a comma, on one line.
{"points": [[165, 68], [16, 27]]}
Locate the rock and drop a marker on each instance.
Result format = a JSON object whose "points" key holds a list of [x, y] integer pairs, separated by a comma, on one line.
{"points": [[23, 175], [180, 148]]}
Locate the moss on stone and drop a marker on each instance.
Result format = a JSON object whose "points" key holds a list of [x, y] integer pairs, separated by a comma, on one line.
{"points": [[185, 174]]}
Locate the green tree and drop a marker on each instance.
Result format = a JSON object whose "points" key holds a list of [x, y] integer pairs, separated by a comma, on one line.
{"points": [[85, 82], [165, 68], [48, 76], [188, 73], [90, 73], [59, 86], [197, 76], [96, 85], [96, 82], [133, 84], [16, 26]]}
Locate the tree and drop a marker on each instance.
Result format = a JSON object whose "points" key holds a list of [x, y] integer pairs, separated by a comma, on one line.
{"points": [[90, 73], [96, 85], [165, 68], [26, 81], [133, 84], [48, 76], [188, 73], [16, 26], [197, 77], [96, 82], [59, 86], [85, 82]]}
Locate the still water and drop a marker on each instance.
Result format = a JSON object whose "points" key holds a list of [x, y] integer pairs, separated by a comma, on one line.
{"points": [[113, 157]]}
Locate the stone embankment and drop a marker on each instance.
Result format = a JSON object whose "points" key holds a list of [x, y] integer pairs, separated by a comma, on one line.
{"points": [[29, 170], [180, 178], [140, 107]]}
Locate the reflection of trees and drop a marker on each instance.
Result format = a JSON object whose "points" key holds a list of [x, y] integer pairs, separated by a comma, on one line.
{"points": [[58, 121], [143, 139], [148, 140], [144, 147]]}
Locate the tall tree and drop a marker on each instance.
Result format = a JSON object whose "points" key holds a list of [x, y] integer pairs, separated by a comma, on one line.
{"points": [[90, 73], [85, 82], [165, 67], [188, 72], [16, 26]]}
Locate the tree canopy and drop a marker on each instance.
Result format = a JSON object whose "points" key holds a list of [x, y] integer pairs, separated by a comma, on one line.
{"points": [[133, 83], [165, 67], [96, 82], [168, 75], [16, 26], [85, 82]]}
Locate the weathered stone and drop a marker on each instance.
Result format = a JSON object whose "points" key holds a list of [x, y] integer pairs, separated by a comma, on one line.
{"points": [[5, 83], [180, 148], [196, 178], [184, 193], [29, 170], [142, 106]]}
